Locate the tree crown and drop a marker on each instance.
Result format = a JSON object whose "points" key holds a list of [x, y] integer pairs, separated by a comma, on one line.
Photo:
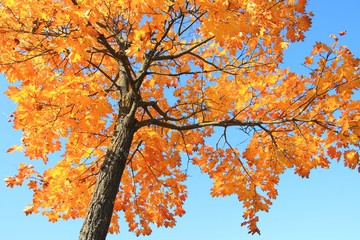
{"points": [[187, 69]]}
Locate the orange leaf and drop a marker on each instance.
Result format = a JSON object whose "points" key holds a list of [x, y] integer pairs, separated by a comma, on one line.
{"points": [[15, 148], [351, 158]]}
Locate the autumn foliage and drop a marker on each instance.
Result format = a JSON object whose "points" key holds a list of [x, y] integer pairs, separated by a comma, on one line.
{"points": [[197, 72]]}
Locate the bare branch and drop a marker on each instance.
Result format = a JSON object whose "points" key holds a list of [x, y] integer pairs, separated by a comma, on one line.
{"points": [[187, 51], [165, 116]]}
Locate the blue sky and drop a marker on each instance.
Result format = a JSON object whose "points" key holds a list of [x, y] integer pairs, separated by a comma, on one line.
{"points": [[326, 206]]}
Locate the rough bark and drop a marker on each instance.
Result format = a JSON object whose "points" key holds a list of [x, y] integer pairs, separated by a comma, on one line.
{"points": [[98, 216], [97, 219]]}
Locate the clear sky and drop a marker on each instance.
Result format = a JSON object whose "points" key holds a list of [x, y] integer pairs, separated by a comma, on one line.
{"points": [[326, 206]]}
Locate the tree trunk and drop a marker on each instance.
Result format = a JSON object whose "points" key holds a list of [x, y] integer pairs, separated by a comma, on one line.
{"points": [[98, 216]]}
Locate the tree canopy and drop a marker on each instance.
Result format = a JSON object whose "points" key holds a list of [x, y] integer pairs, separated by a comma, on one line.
{"points": [[151, 83]]}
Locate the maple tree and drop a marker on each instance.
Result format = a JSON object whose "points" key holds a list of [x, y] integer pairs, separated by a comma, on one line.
{"points": [[127, 88]]}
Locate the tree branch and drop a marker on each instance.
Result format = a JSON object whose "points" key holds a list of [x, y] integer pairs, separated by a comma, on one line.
{"points": [[226, 123], [175, 56]]}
